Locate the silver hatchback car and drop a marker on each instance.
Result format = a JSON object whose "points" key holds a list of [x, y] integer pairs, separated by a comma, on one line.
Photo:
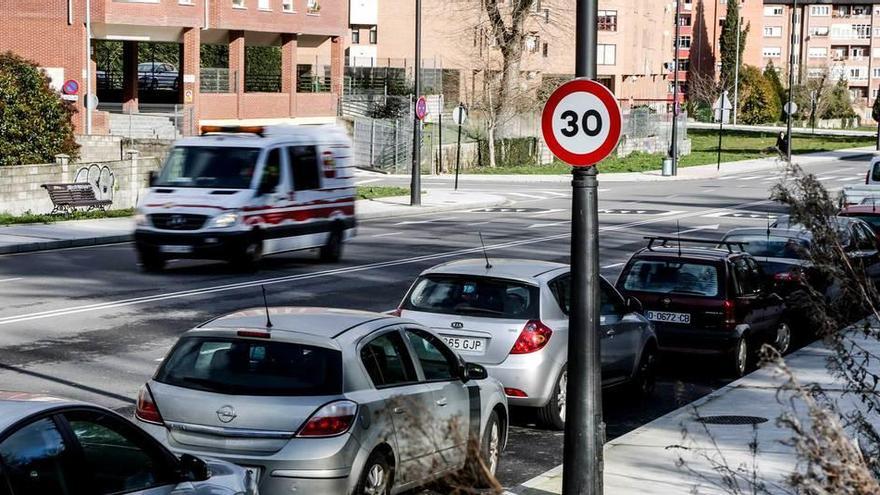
{"points": [[314, 400], [52, 446], [511, 316]]}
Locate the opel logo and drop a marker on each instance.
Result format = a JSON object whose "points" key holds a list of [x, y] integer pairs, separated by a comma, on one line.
{"points": [[666, 301], [176, 221], [226, 414], [457, 324]]}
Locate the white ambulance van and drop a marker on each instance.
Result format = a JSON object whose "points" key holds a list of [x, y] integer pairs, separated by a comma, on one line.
{"points": [[239, 193]]}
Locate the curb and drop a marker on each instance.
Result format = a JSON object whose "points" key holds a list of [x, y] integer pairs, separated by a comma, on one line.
{"points": [[401, 211]]}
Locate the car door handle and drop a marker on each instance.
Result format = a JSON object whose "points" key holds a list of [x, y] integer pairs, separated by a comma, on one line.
{"points": [[611, 332], [442, 401], [398, 410]]}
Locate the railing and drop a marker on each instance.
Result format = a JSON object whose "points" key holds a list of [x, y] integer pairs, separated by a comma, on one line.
{"points": [[214, 80], [262, 83]]}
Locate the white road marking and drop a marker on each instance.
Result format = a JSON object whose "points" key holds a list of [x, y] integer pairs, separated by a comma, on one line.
{"points": [[545, 225], [414, 222], [548, 212], [386, 234], [479, 223], [523, 195], [673, 212], [10, 279], [604, 190], [554, 193], [753, 177], [826, 178], [702, 227], [613, 265], [358, 183], [101, 306]]}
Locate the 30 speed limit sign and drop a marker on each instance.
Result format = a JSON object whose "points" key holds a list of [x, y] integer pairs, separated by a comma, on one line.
{"points": [[581, 122]]}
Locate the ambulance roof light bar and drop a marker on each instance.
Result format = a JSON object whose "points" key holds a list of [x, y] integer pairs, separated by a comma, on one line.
{"points": [[233, 129]]}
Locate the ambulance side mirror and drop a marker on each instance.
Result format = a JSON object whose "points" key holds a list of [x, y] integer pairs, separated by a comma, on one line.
{"points": [[151, 178]]}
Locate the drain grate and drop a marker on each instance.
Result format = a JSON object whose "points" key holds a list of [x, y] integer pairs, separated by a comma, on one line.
{"points": [[732, 420]]}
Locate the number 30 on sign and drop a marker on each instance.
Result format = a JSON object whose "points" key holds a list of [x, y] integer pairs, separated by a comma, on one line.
{"points": [[581, 122]]}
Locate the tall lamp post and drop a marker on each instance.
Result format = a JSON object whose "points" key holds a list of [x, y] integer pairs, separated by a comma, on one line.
{"points": [[791, 61], [88, 98], [673, 148], [415, 191], [736, 65]]}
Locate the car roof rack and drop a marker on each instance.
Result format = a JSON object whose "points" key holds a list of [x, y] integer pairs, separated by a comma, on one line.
{"points": [[665, 240]]}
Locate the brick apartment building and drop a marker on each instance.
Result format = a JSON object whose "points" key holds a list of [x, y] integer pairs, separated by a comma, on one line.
{"points": [[53, 34], [635, 40]]}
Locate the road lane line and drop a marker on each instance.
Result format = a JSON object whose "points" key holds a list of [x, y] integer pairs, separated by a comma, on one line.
{"points": [[523, 195], [344, 270], [10, 279], [613, 265], [387, 234]]}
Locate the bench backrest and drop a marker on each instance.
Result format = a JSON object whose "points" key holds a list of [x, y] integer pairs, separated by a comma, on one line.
{"points": [[77, 192]]}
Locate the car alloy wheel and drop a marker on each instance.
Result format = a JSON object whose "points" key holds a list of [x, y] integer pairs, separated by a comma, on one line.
{"points": [[562, 387], [783, 338], [646, 378], [741, 356], [377, 480], [494, 447]]}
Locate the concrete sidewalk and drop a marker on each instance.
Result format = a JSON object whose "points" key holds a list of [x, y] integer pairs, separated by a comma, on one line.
{"points": [[699, 172], [645, 461], [77, 233]]}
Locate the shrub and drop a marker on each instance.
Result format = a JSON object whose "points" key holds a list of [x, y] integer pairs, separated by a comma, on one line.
{"points": [[35, 124], [758, 103], [511, 152]]}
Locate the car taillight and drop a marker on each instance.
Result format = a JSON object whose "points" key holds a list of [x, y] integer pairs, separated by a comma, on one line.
{"points": [[331, 420], [729, 313], [534, 337], [147, 410], [514, 392]]}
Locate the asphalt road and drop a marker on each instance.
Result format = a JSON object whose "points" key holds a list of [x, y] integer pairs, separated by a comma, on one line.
{"points": [[85, 323]]}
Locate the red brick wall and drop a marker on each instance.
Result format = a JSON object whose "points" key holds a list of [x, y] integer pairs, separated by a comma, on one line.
{"points": [[218, 106], [331, 20], [264, 105], [315, 104]]}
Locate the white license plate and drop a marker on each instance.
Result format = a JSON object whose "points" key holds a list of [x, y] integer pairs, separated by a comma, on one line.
{"points": [[175, 249], [667, 317], [469, 345]]}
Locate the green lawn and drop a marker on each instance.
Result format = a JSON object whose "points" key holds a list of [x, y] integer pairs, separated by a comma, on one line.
{"points": [[735, 146], [363, 192]]}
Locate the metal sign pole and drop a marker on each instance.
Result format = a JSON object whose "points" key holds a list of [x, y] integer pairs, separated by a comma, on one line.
{"points": [[458, 156], [415, 187], [584, 430], [791, 61]]}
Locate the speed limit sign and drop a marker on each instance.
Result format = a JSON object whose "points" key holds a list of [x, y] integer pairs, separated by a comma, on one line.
{"points": [[581, 122]]}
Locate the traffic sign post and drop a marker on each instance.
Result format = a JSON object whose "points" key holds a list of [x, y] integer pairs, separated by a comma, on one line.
{"points": [[459, 116], [581, 125], [722, 112]]}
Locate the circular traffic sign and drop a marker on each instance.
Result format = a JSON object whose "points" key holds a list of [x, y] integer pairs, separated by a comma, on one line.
{"points": [[421, 108], [581, 122], [790, 108], [459, 114], [70, 87]]}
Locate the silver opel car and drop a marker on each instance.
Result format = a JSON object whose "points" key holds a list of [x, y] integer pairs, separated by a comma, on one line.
{"points": [[511, 316], [53, 446], [328, 401]]}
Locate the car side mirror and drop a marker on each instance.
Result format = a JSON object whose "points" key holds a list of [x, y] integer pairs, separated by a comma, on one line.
{"points": [[633, 305], [152, 177], [473, 371], [192, 468]]}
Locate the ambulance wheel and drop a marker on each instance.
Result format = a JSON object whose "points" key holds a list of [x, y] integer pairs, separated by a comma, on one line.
{"points": [[332, 251], [249, 257]]}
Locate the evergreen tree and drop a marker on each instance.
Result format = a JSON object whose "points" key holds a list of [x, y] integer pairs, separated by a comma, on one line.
{"points": [[772, 75], [729, 56], [758, 102]]}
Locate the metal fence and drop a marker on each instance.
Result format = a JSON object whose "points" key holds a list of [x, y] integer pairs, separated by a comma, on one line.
{"points": [[383, 144], [215, 80]]}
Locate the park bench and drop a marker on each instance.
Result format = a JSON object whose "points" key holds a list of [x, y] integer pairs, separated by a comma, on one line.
{"points": [[67, 198]]}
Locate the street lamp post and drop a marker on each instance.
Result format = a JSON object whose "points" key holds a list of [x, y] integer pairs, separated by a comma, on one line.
{"points": [[415, 192], [791, 62], [736, 65], [673, 148], [88, 99]]}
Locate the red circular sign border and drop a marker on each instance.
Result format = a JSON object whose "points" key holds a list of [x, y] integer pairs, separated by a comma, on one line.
{"points": [[422, 101], [67, 84], [606, 97]]}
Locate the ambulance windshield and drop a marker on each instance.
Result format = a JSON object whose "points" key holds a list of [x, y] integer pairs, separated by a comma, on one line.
{"points": [[215, 167]]}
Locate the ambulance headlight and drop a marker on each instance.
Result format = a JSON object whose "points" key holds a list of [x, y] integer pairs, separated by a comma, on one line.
{"points": [[140, 218], [224, 220]]}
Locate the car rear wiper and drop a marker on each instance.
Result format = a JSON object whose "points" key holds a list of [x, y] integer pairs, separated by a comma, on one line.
{"points": [[479, 310], [205, 382], [685, 291]]}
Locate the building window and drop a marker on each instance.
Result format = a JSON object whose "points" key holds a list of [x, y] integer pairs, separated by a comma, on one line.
{"points": [[355, 36], [858, 53], [374, 35], [263, 5], [773, 31], [820, 10], [772, 11], [838, 53], [683, 64], [684, 20], [545, 50], [185, 2], [817, 52], [533, 43], [876, 72], [772, 51], [819, 31], [607, 55], [287, 5], [874, 93], [238, 4], [861, 10], [313, 7], [815, 72], [858, 73], [607, 20], [684, 41]]}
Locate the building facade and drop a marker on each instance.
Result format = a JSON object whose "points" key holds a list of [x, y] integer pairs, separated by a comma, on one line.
{"points": [[635, 40], [310, 35]]}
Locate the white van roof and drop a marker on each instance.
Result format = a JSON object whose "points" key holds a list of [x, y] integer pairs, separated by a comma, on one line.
{"points": [[264, 136]]}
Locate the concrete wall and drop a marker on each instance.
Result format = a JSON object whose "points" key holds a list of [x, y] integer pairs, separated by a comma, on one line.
{"points": [[119, 180], [110, 148]]}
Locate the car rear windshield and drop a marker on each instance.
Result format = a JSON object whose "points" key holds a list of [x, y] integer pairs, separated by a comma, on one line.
{"points": [[215, 167], [252, 367], [873, 220], [673, 277], [773, 246], [474, 296]]}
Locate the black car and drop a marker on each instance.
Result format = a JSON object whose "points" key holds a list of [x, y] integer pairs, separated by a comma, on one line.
{"points": [[784, 255], [706, 300]]}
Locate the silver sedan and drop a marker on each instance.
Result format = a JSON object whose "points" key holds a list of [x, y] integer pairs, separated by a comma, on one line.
{"points": [[314, 400], [50, 445], [511, 316]]}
